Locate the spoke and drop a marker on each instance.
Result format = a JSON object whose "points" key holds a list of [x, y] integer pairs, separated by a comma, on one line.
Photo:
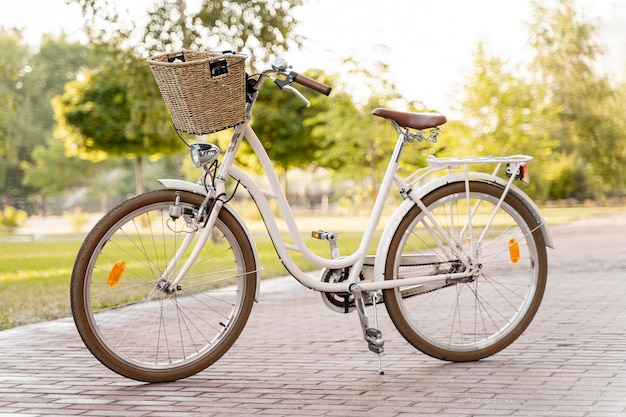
{"points": [[466, 317]]}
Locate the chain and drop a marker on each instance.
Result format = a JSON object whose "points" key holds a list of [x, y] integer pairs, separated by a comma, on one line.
{"points": [[421, 264]]}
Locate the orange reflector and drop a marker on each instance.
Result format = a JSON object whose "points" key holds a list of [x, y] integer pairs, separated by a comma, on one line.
{"points": [[514, 251], [116, 273]]}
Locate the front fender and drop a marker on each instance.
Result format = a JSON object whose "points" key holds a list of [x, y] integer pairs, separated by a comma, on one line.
{"points": [[403, 209], [174, 184], [192, 187]]}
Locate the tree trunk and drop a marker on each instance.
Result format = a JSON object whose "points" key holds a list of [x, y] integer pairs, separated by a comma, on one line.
{"points": [[183, 23], [139, 175]]}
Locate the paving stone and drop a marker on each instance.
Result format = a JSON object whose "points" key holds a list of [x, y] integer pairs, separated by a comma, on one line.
{"points": [[570, 362]]}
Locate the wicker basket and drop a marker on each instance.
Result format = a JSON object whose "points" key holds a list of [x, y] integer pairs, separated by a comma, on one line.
{"points": [[205, 92]]}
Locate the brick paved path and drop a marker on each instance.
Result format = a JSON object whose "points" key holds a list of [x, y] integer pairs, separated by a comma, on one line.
{"points": [[570, 362]]}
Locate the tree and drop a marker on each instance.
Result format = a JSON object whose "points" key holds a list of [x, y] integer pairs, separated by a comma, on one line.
{"points": [[258, 27], [13, 62], [351, 140], [502, 114], [284, 124], [33, 77], [56, 62], [52, 173], [556, 109], [580, 100], [116, 110]]}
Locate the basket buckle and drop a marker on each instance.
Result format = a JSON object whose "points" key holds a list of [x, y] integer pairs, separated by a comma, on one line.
{"points": [[218, 68]]}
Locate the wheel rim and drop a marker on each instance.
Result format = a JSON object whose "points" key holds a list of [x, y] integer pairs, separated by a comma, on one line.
{"points": [[144, 327], [478, 315]]}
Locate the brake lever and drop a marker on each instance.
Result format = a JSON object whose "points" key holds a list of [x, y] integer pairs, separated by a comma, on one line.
{"points": [[297, 93]]}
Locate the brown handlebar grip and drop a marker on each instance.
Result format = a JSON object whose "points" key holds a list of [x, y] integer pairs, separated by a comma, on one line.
{"points": [[311, 83]]}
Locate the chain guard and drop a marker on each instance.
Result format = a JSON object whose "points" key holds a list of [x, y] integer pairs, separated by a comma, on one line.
{"points": [[343, 302]]}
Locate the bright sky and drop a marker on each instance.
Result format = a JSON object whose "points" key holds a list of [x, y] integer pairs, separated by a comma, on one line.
{"points": [[428, 44]]}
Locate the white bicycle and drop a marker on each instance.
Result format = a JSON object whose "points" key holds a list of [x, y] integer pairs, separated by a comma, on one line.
{"points": [[164, 283]]}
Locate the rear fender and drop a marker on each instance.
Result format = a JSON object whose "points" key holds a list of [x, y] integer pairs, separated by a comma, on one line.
{"points": [[402, 210]]}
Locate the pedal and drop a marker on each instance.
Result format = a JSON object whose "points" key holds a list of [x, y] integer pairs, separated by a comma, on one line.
{"points": [[374, 338], [322, 235], [331, 237]]}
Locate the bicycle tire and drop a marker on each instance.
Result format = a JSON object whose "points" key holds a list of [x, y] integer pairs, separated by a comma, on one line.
{"points": [[467, 321], [143, 332]]}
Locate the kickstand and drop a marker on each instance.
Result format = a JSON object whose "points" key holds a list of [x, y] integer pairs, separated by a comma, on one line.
{"points": [[375, 296], [372, 335]]}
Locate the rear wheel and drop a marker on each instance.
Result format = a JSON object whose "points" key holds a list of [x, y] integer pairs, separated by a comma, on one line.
{"points": [[122, 311], [474, 317]]}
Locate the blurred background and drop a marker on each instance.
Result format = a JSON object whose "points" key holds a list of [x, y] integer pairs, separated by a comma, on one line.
{"points": [[83, 125]]}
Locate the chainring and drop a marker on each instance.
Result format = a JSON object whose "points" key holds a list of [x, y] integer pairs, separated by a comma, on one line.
{"points": [[341, 302]]}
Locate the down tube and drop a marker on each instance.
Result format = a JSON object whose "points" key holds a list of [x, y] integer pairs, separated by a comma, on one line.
{"points": [[356, 259], [261, 199], [281, 249], [304, 279]]}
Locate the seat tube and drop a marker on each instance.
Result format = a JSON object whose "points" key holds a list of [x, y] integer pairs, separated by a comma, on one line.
{"points": [[383, 192]]}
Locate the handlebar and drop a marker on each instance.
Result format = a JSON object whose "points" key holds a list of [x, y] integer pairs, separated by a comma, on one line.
{"points": [[284, 78], [307, 82]]}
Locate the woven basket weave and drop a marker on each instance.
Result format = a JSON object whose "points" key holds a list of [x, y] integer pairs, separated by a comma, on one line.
{"points": [[204, 94]]}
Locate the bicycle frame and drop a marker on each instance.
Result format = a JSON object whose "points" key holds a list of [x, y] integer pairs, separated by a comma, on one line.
{"points": [[461, 265], [356, 260], [215, 192]]}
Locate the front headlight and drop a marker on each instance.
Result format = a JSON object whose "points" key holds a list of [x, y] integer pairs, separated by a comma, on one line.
{"points": [[203, 153]]}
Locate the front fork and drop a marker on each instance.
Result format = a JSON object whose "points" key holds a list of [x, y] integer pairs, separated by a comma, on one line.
{"points": [[210, 205]]}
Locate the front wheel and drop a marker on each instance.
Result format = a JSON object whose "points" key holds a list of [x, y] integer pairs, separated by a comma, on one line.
{"points": [[125, 315], [474, 317]]}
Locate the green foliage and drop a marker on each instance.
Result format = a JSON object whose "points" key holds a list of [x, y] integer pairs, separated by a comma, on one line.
{"points": [[558, 109], [27, 83], [284, 124], [586, 116], [503, 114], [236, 23], [11, 218], [260, 28], [51, 173], [351, 141], [103, 114], [116, 109], [56, 62], [12, 64]]}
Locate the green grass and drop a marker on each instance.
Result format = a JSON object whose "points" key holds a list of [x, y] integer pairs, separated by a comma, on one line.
{"points": [[35, 275], [34, 280]]}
